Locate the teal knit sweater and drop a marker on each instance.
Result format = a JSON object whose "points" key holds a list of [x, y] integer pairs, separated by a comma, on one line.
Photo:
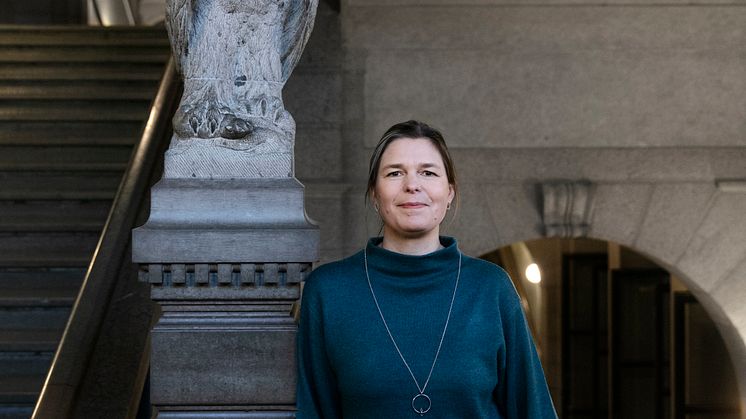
{"points": [[348, 367]]}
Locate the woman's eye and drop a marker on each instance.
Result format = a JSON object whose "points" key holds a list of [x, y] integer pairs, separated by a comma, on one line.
{"points": [[394, 173], [429, 173]]}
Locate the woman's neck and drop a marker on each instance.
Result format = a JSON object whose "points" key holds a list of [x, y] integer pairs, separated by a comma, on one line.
{"points": [[412, 245]]}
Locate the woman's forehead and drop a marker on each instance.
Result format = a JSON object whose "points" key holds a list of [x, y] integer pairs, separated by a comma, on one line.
{"points": [[420, 151]]}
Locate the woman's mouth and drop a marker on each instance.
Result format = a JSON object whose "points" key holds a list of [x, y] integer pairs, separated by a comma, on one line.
{"points": [[410, 205]]}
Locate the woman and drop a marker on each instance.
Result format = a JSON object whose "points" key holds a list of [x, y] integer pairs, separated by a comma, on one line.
{"points": [[409, 326]]}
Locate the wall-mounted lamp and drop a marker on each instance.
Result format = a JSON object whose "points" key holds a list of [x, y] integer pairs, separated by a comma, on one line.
{"points": [[533, 273]]}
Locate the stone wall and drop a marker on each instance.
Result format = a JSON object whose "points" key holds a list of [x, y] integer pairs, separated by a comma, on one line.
{"points": [[503, 76]]}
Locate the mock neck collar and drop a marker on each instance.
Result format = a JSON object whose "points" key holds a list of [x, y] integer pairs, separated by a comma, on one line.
{"points": [[413, 268]]}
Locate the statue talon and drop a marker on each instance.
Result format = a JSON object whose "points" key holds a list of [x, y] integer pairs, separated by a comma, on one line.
{"points": [[187, 122], [234, 128], [209, 119], [280, 115], [234, 74], [194, 124], [213, 122]]}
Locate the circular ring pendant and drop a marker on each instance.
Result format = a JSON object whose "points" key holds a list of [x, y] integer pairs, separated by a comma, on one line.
{"points": [[424, 404]]}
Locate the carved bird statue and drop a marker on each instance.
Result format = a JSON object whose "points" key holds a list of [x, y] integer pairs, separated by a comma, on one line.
{"points": [[235, 57]]}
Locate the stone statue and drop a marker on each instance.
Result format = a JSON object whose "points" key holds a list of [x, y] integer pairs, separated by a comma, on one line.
{"points": [[228, 243], [235, 57]]}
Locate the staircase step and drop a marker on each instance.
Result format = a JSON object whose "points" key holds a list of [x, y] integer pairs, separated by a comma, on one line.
{"points": [[35, 305], [61, 166], [47, 249], [20, 389], [64, 185], [81, 71], [25, 363], [40, 317], [35, 297], [64, 158], [85, 37], [41, 278], [73, 110], [30, 340], [84, 53], [71, 132], [16, 411], [79, 33], [53, 216], [78, 89]]}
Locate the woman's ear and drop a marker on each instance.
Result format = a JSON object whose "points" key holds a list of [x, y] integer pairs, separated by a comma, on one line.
{"points": [[373, 200]]}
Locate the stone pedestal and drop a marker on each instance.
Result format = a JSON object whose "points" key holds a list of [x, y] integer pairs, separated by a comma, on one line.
{"points": [[225, 259]]}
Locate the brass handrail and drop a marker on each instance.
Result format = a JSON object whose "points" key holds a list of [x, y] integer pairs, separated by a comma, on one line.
{"points": [[112, 12], [72, 361]]}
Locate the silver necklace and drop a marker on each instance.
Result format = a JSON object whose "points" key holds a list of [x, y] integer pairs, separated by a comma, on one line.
{"points": [[421, 398]]}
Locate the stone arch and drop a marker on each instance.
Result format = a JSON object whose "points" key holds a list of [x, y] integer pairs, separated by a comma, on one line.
{"points": [[694, 230]]}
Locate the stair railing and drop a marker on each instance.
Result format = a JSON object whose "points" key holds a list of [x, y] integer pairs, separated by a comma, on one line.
{"points": [[72, 360], [110, 12]]}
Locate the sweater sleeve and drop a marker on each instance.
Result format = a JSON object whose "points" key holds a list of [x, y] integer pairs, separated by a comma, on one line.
{"points": [[522, 390], [317, 395]]}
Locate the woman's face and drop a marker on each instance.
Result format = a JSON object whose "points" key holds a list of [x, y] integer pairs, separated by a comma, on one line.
{"points": [[412, 189]]}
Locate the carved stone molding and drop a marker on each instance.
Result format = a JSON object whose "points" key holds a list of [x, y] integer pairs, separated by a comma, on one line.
{"points": [[223, 274], [224, 281], [567, 208]]}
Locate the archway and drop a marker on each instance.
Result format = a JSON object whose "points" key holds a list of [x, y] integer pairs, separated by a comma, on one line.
{"points": [[707, 257], [616, 329]]}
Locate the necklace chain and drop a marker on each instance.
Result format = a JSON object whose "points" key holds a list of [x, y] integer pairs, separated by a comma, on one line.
{"points": [[391, 336]]}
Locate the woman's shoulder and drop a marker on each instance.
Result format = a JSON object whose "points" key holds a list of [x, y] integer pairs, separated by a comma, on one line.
{"points": [[325, 280], [485, 269], [486, 275], [335, 270]]}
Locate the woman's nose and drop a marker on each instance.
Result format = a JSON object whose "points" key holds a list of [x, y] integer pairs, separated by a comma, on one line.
{"points": [[411, 183]]}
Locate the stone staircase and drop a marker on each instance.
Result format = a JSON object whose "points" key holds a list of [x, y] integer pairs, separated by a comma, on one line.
{"points": [[73, 101]]}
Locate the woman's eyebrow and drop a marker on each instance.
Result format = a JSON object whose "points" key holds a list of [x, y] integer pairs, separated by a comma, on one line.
{"points": [[429, 165], [393, 166]]}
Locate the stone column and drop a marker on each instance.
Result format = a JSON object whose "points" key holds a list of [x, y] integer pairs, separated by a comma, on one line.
{"points": [[228, 243]]}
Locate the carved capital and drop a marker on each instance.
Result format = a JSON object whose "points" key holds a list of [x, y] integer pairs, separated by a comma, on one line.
{"points": [[567, 208]]}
